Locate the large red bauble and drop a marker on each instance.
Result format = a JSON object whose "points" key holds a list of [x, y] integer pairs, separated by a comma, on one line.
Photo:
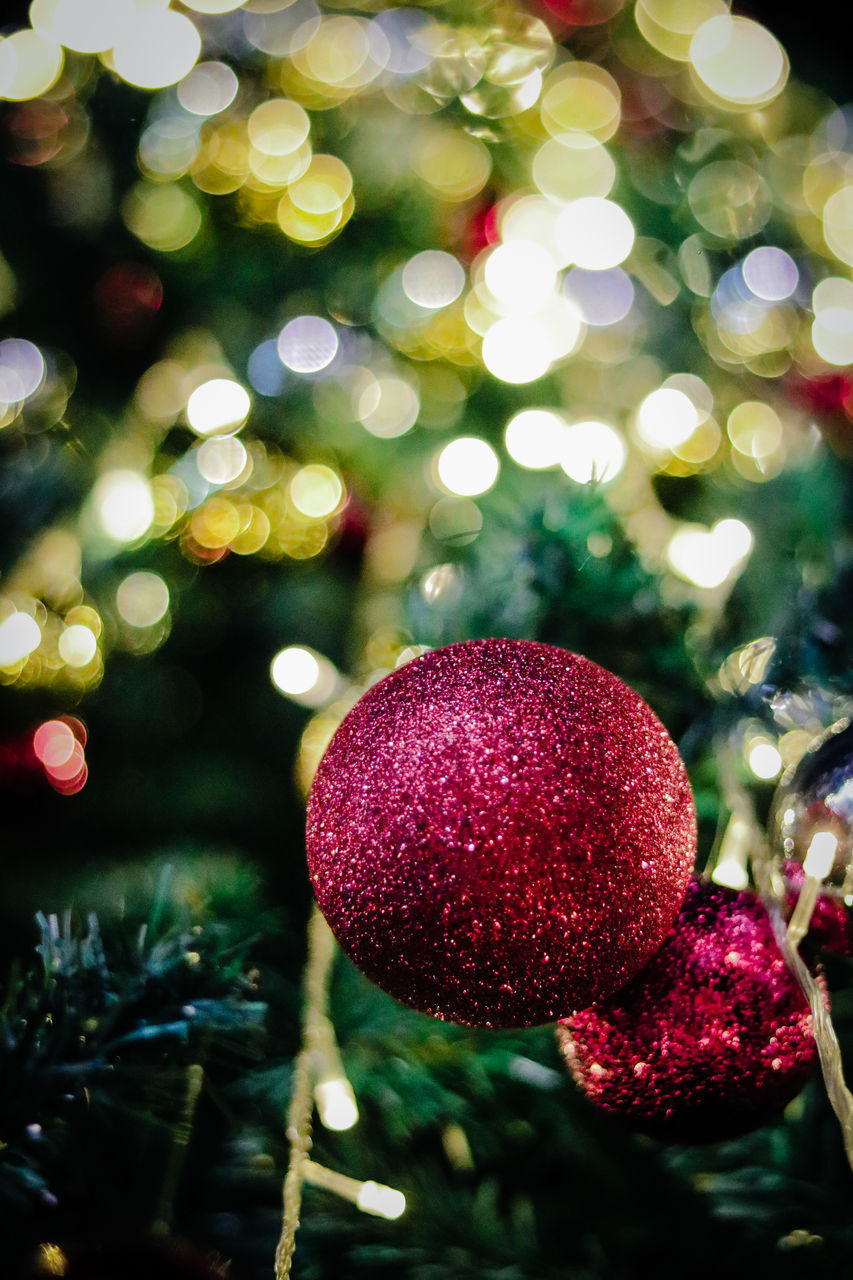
{"points": [[712, 1039], [500, 832]]}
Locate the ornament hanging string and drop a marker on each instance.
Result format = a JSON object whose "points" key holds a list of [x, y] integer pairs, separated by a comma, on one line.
{"points": [[828, 1048], [740, 805], [318, 968]]}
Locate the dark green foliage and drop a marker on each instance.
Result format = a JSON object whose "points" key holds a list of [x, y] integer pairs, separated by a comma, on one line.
{"points": [[555, 565]]}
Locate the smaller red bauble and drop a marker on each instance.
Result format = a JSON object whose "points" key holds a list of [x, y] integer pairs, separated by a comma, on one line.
{"points": [[500, 832], [712, 1039]]}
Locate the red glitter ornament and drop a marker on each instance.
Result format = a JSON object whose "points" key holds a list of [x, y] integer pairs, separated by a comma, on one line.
{"points": [[712, 1039], [500, 832]]}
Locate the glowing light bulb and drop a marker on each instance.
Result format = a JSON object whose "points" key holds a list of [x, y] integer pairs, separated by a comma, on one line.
{"points": [[821, 855], [383, 1202], [336, 1104]]}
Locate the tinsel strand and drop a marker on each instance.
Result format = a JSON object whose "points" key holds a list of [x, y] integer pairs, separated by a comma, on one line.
{"points": [[180, 1142]]}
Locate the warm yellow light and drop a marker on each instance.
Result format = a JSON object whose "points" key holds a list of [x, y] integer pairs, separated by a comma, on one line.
{"points": [[536, 438], [592, 451], [164, 217], [708, 557], [734, 537], [278, 127], [820, 857], [219, 405], [573, 165], [452, 163], [336, 1104], [581, 97], [520, 276], [142, 599], [669, 25], [124, 505], [518, 349], [764, 760], [20, 635], [304, 675], [29, 65], [755, 429], [838, 223], [77, 645], [730, 873], [383, 1202], [156, 48], [316, 491], [666, 418], [595, 233], [832, 336], [467, 466], [739, 61]]}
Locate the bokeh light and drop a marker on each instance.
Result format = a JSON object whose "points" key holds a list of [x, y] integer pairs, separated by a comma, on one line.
{"points": [[208, 89], [592, 452], [142, 598], [521, 276], [77, 645], [536, 438], [666, 418], [316, 491], [86, 26], [709, 557], [738, 61], [29, 65], [156, 47], [467, 466], [433, 279], [218, 405], [124, 505], [304, 675], [595, 233], [307, 344], [20, 634]]}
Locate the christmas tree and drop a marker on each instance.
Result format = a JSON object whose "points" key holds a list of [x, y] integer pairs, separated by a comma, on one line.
{"points": [[333, 335]]}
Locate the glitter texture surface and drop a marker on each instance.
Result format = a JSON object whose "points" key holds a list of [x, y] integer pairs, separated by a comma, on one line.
{"points": [[500, 832], [712, 1039]]}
